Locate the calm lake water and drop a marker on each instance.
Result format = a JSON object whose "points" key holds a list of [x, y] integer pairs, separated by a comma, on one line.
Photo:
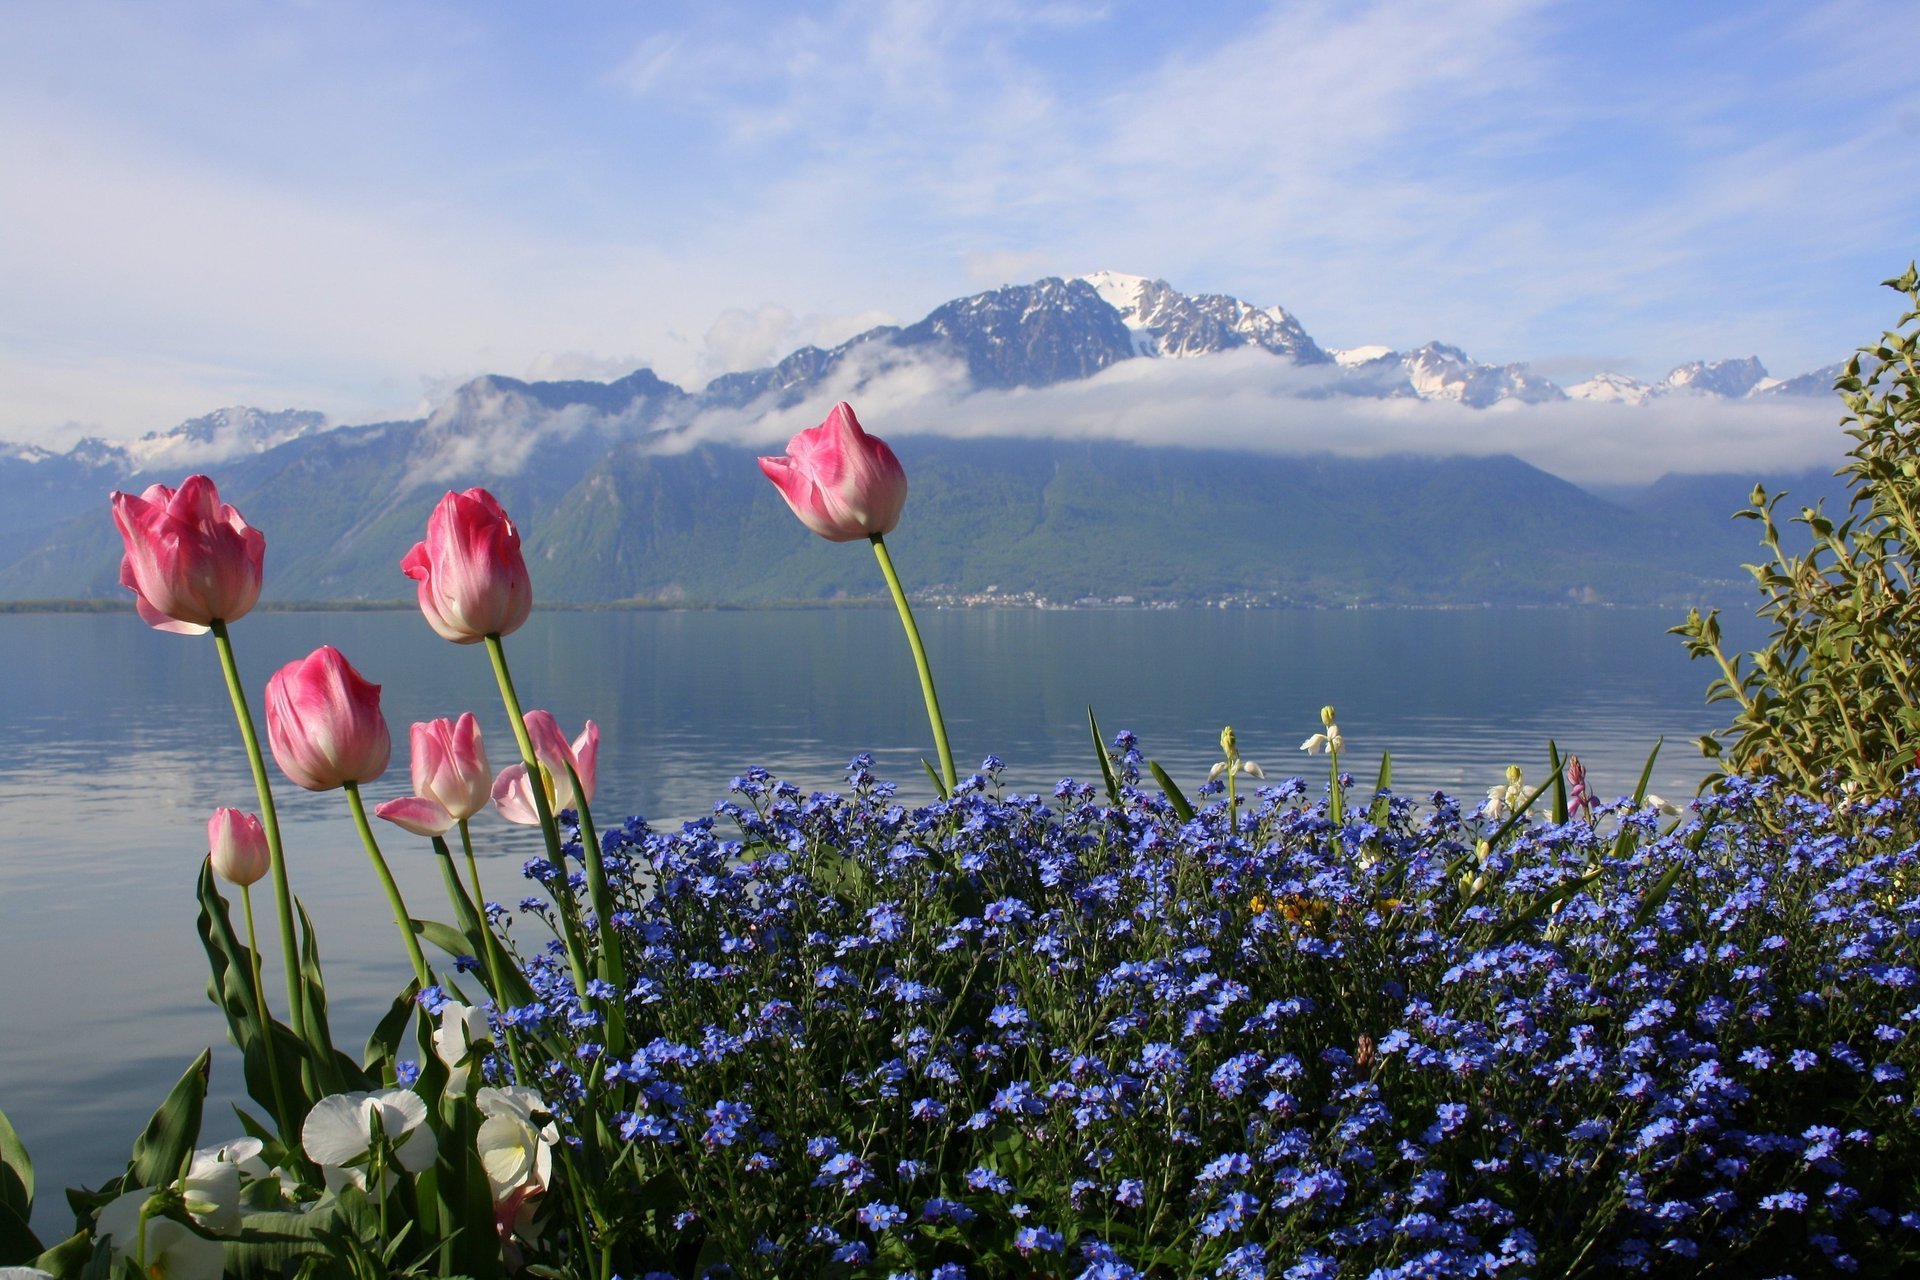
{"points": [[120, 743]]}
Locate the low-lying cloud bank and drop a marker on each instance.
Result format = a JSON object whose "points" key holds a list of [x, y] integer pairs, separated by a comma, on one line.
{"points": [[1250, 400]]}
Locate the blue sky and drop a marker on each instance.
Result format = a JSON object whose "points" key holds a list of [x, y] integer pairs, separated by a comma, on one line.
{"points": [[354, 206]]}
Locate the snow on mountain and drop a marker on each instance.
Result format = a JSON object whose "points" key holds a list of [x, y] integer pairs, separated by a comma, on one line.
{"points": [[219, 436], [1440, 372], [1611, 388], [1355, 357], [1166, 322], [1730, 378]]}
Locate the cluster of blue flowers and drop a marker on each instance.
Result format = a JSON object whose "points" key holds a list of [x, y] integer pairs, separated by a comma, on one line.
{"points": [[1081, 1036]]}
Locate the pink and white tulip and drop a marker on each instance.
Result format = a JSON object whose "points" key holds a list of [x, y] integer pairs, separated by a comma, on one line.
{"points": [[190, 559], [513, 792], [451, 779], [843, 483], [472, 574], [324, 723], [237, 844]]}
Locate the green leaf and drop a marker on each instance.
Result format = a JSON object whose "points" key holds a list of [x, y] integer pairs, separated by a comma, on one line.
{"points": [[1545, 902], [160, 1153], [65, 1260], [1174, 798], [1384, 782], [18, 1245], [1623, 844], [384, 1044], [270, 1241], [337, 1072], [939, 783], [1656, 895], [1106, 765], [16, 1171], [447, 938]]}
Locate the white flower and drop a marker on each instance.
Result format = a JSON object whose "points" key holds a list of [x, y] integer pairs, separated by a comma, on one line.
{"points": [[1661, 806], [169, 1250], [24, 1273], [212, 1193], [338, 1135], [462, 1029], [515, 1149], [1328, 741]]}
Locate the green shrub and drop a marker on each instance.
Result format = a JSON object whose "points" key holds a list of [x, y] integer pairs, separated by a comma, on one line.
{"points": [[1831, 696]]}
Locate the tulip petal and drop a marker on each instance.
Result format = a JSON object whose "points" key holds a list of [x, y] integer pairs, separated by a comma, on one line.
{"points": [[417, 814]]}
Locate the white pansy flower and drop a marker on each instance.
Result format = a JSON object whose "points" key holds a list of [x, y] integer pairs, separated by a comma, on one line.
{"points": [[165, 1249], [211, 1192], [462, 1029], [338, 1136]]}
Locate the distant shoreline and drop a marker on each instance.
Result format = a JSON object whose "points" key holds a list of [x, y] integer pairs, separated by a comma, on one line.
{"points": [[119, 605]]}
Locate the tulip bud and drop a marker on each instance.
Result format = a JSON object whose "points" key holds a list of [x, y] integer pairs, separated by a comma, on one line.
{"points": [[324, 723], [841, 482], [472, 575], [237, 843], [190, 559]]}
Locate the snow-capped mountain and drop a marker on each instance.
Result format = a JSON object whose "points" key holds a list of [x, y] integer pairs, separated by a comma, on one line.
{"points": [[1051, 331]]}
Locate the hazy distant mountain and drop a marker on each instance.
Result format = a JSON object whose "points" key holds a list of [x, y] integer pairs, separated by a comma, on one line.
{"points": [[620, 501]]}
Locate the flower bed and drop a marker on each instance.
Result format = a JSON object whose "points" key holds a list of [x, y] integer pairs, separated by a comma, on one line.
{"points": [[1304, 1030]]}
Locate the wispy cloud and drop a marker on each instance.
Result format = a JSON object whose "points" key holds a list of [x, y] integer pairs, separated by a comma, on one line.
{"points": [[327, 205]]}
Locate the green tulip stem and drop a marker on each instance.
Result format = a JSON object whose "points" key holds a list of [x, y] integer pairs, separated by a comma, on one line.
{"points": [[919, 661], [400, 916], [494, 954], [537, 778], [289, 1123], [270, 822]]}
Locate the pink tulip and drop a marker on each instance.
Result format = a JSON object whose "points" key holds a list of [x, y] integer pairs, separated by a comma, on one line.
{"points": [[513, 793], [238, 846], [451, 780], [843, 483], [473, 578], [324, 722], [190, 559]]}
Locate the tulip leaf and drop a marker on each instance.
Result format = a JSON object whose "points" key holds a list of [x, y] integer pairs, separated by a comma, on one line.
{"points": [[1106, 764], [271, 1242], [18, 1244], [1656, 895], [160, 1153], [384, 1044], [1174, 797], [1623, 845], [1546, 901], [16, 1171], [1377, 815], [939, 784], [446, 937], [65, 1260], [337, 1072]]}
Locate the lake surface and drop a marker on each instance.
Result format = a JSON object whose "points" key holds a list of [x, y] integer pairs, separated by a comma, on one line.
{"points": [[120, 743]]}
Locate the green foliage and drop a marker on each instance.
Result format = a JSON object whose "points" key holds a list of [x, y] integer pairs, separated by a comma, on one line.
{"points": [[1831, 696]]}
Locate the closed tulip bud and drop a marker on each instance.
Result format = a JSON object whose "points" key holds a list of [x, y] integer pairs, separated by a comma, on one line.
{"points": [[190, 559], [472, 575], [324, 722], [841, 482], [237, 843]]}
